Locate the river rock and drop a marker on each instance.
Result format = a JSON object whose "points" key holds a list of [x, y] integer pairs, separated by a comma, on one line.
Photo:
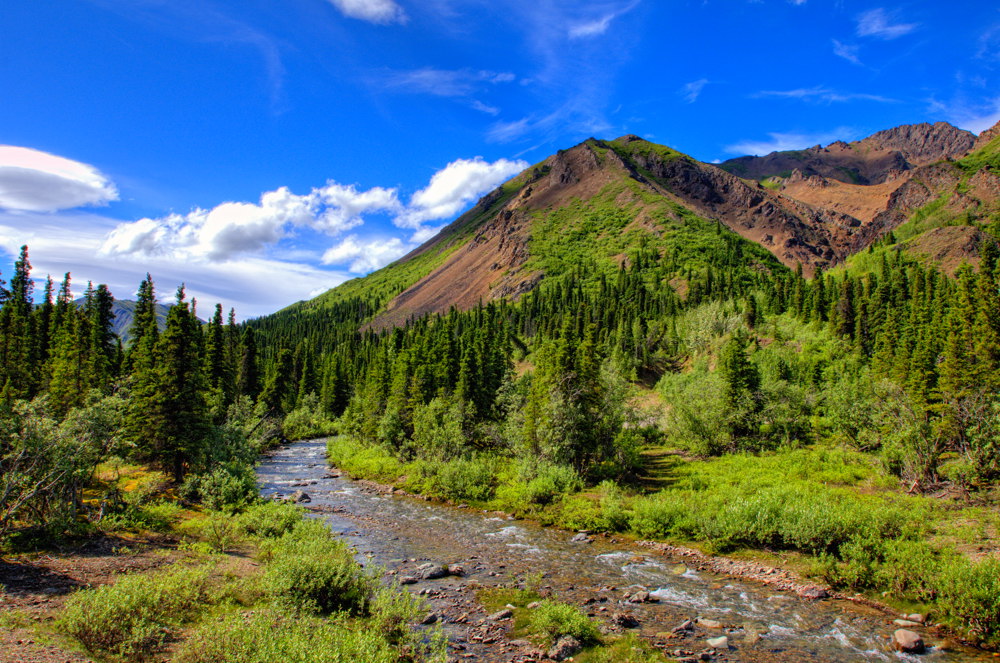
{"points": [[906, 623], [686, 625], [534, 604], [506, 613], [908, 641], [917, 617], [430, 618], [564, 647], [641, 597], [813, 592], [582, 537], [624, 620], [709, 623], [456, 570], [407, 580], [431, 571], [721, 642], [300, 497]]}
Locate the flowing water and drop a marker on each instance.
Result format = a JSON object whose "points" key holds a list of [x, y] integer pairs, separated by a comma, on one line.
{"points": [[762, 624]]}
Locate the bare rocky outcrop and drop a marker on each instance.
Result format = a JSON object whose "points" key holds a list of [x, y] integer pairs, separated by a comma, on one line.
{"points": [[872, 160], [987, 136]]}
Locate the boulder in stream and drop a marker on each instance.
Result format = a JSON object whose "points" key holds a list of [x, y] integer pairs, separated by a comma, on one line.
{"points": [[908, 641], [721, 642], [641, 597], [300, 497], [813, 592], [582, 537], [431, 571], [624, 620]]}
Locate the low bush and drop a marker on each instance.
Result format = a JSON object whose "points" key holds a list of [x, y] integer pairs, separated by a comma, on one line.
{"points": [[231, 486], [307, 421], [555, 620], [265, 636], [131, 619], [970, 599], [269, 520], [313, 572]]}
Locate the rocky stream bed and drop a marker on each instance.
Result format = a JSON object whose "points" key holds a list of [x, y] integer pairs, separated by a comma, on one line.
{"points": [[691, 606]]}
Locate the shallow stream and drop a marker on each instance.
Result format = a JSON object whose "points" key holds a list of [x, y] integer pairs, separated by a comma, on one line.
{"points": [[762, 624]]}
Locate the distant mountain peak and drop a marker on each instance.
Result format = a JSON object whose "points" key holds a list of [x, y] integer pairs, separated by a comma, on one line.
{"points": [[872, 160]]}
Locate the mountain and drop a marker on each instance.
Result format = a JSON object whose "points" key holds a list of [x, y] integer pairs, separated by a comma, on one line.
{"points": [[124, 310], [593, 203], [872, 160]]}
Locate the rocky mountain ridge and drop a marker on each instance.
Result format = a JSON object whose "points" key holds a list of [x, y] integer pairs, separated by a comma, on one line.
{"points": [[812, 216]]}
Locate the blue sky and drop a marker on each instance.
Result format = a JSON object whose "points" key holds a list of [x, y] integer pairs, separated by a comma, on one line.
{"points": [[264, 151]]}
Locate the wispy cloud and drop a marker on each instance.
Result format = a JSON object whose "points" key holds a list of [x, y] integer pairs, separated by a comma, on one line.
{"points": [[989, 43], [599, 25], [440, 82], [780, 141], [880, 24], [971, 116], [847, 51], [484, 108], [822, 94], [692, 90], [374, 11]]}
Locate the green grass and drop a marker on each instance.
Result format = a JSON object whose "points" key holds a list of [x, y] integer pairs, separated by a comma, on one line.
{"points": [[309, 602]]}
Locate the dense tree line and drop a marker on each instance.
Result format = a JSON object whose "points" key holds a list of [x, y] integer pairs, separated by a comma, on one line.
{"points": [[180, 398]]}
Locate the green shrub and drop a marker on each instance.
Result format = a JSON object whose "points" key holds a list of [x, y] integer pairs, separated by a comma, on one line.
{"points": [[466, 479], [313, 572], [231, 486], [131, 619], [265, 636], [556, 619], [970, 599], [308, 421], [369, 461], [269, 519]]}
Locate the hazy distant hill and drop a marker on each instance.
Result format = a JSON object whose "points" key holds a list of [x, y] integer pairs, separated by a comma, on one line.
{"points": [[124, 310]]}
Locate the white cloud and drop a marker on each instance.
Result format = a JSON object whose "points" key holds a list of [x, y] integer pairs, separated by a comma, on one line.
{"points": [[692, 90], [847, 51], [823, 94], [878, 23], [70, 242], [454, 187], [597, 26], [31, 180], [779, 142], [233, 229], [375, 11], [365, 256], [974, 117]]}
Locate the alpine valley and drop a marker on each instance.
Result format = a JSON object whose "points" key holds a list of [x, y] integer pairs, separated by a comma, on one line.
{"points": [[790, 360]]}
